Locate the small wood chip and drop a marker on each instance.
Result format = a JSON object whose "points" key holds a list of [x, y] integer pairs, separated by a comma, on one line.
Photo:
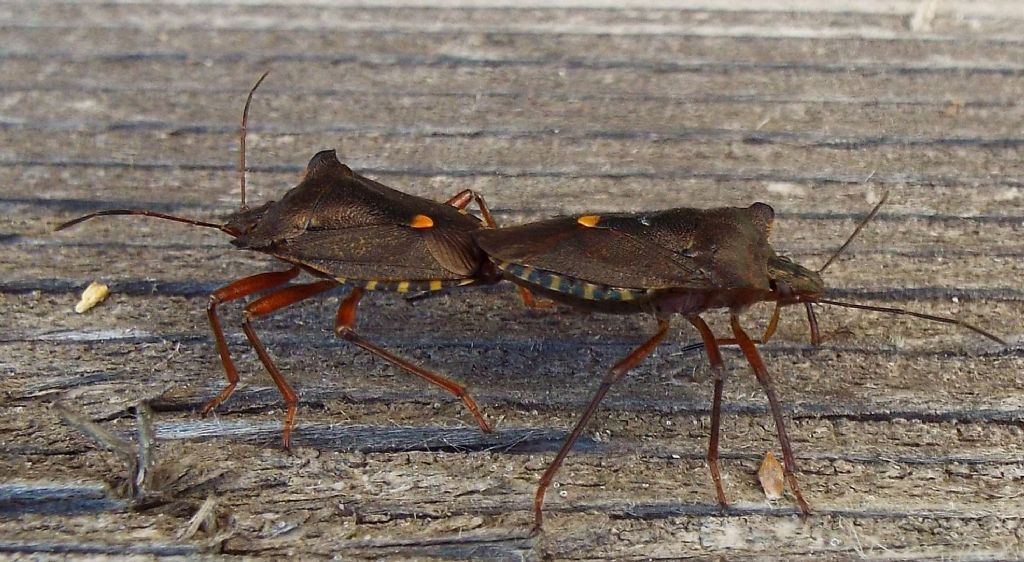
{"points": [[91, 296], [771, 476], [205, 518]]}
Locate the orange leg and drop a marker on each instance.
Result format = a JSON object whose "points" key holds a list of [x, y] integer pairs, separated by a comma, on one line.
{"points": [[265, 305], [761, 372], [812, 321], [530, 301], [234, 291], [614, 375], [345, 326], [769, 330], [463, 198], [718, 367], [773, 324]]}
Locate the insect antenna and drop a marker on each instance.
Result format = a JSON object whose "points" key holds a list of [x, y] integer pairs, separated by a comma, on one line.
{"points": [[242, 135], [812, 320], [942, 319], [147, 213], [193, 222], [856, 231], [887, 309]]}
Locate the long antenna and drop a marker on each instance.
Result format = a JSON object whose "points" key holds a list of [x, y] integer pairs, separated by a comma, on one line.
{"points": [[856, 231], [146, 213], [245, 126], [942, 319]]}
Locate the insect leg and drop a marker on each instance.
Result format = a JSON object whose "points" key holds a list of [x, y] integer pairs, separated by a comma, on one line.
{"points": [[761, 372], [530, 301], [812, 321], [265, 305], [613, 376], [463, 198], [344, 327], [769, 330], [773, 324], [718, 368], [234, 291]]}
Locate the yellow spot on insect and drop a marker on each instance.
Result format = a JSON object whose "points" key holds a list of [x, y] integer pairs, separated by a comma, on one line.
{"points": [[421, 221], [341, 280], [626, 294], [555, 284], [589, 221], [588, 292], [435, 285], [403, 287], [371, 285]]}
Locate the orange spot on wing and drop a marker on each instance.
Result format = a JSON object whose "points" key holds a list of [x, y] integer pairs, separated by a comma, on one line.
{"points": [[421, 221], [589, 221]]}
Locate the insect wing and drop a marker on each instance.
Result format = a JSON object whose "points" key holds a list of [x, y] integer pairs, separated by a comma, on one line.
{"points": [[345, 225], [727, 245], [383, 252], [602, 255]]}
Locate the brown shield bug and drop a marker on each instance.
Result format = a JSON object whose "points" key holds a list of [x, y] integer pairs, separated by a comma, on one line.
{"points": [[345, 229], [678, 261]]}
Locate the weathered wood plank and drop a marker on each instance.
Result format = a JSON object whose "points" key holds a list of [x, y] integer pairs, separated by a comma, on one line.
{"points": [[905, 161], [910, 436]]}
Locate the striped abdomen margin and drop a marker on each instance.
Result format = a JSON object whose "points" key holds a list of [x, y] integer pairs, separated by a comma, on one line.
{"points": [[571, 285], [420, 286]]}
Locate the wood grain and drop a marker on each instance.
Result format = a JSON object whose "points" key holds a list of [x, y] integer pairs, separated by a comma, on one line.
{"points": [[910, 435]]}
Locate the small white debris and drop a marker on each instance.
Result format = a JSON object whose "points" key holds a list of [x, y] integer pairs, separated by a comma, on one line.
{"points": [[91, 296], [786, 188], [924, 16]]}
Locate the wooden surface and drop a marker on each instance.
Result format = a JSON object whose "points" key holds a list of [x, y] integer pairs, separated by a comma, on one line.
{"points": [[909, 434]]}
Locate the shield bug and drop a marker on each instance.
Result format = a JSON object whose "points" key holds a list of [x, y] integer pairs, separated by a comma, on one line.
{"points": [[344, 229], [678, 261]]}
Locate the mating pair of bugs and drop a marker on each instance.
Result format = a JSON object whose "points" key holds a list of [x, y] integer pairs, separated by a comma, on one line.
{"points": [[346, 229]]}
